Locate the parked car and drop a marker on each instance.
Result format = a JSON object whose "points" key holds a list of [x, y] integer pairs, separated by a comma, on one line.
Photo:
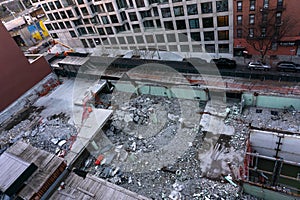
{"points": [[259, 66], [288, 66], [224, 63]]}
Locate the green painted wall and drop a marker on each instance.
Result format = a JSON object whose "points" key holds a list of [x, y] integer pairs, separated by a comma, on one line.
{"points": [[265, 193], [271, 101], [183, 93]]}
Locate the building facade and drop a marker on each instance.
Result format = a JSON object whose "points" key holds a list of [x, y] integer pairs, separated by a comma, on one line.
{"points": [[267, 26], [185, 27]]}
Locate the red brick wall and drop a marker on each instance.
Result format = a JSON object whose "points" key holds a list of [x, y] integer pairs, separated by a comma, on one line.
{"points": [[17, 75], [291, 9]]}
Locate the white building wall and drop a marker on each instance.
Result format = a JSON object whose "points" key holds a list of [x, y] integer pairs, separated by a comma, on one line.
{"points": [[177, 40]]}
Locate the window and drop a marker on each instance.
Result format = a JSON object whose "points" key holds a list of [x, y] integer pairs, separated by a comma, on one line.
{"points": [[121, 40], [68, 24], [251, 19], [206, 7], [120, 28], [166, 12], [278, 18], [58, 5], [61, 24], [173, 48], [86, 21], [140, 3], [178, 11], [160, 38], [105, 20], [145, 14], [77, 22], [222, 6], [101, 31], [56, 15], [51, 5], [50, 16], [84, 43], [196, 36], [49, 27], [54, 35], [130, 40], [136, 28], [266, 4], [139, 39], [239, 20], [155, 11], [148, 23], [70, 13], [114, 19], [239, 6], [109, 30], [171, 38], [63, 14], [121, 4], [109, 7], [46, 8], [123, 16], [84, 11], [209, 36], [180, 24], [132, 16], [158, 24], [80, 2], [192, 9], [182, 37], [90, 30], [149, 39], [263, 32], [113, 40], [239, 33], [169, 25], [55, 26], [185, 48], [210, 48], [194, 23], [72, 33], [81, 31], [223, 21], [223, 48], [223, 35], [279, 3], [251, 32], [252, 5], [208, 22], [97, 41]]}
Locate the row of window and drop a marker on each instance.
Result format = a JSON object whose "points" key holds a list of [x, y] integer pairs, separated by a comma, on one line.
{"points": [[264, 18], [210, 48], [208, 22], [252, 5], [195, 36]]}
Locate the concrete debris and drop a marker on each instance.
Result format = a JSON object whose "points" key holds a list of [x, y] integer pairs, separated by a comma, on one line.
{"points": [[53, 134]]}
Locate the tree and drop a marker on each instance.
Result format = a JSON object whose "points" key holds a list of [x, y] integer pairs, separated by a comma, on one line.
{"points": [[266, 29]]}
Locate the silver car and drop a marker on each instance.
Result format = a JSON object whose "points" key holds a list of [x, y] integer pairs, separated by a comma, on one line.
{"points": [[259, 66]]}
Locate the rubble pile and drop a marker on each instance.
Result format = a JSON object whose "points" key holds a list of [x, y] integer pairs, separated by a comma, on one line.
{"points": [[137, 127], [130, 125], [277, 119], [236, 119], [53, 134]]}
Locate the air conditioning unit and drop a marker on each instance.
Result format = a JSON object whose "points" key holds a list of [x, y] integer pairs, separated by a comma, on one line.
{"points": [[266, 6]]}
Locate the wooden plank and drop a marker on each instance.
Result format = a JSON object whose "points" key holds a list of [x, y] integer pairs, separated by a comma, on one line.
{"points": [[85, 192]]}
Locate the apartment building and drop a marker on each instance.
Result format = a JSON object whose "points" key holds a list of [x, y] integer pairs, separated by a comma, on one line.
{"points": [[186, 27], [272, 24]]}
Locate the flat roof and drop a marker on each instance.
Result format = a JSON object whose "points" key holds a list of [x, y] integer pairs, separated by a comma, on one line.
{"points": [[11, 168], [93, 187]]}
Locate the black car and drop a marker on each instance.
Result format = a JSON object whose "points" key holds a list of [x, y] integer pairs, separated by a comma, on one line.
{"points": [[224, 63], [288, 66]]}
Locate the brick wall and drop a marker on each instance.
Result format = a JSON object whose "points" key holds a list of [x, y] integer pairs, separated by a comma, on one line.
{"points": [[17, 75]]}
